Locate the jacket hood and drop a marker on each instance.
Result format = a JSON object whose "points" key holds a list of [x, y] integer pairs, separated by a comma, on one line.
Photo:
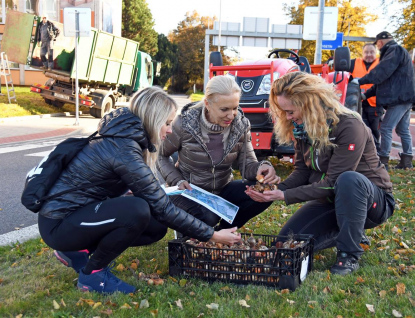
{"points": [[123, 123]]}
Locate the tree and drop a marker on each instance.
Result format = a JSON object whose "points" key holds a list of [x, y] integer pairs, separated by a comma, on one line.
{"points": [[351, 21], [138, 24], [167, 55], [405, 22], [189, 36]]}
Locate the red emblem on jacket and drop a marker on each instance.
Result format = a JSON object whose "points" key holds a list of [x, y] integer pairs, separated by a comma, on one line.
{"points": [[351, 147]]}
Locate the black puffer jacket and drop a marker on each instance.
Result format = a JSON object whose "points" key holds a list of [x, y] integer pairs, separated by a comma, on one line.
{"points": [[118, 158], [392, 78]]}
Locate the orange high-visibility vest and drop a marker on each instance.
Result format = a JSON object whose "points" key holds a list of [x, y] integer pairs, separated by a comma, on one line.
{"points": [[360, 71]]}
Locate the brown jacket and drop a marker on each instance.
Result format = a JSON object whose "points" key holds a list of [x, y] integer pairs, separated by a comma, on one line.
{"points": [[195, 164], [316, 172]]}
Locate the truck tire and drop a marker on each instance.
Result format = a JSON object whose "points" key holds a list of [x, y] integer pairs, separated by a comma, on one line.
{"points": [[47, 101], [353, 98], [107, 106], [58, 103]]}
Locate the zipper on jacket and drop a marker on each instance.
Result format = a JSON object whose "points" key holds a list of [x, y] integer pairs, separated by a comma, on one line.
{"points": [[318, 167], [312, 157], [214, 178]]}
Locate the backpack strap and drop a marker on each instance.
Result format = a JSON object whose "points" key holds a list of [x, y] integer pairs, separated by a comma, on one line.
{"points": [[82, 187]]}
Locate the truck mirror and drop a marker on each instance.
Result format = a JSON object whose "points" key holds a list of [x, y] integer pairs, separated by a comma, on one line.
{"points": [[342, 59]]}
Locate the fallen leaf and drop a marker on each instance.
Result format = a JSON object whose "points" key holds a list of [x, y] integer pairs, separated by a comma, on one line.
{"points": [[120, 268], [63, 303], [107, 312], [396, 313], [125, 306], [403, 244], [96, 305], [285, 291], [56, 305], [383, 242], [371, 308], [412, 301], [400, 288], [247, 297], [154, 312], [382, 293], [173, 279], [359, 280], [134, 266], [326, 290], [226, 289], [19, 316], [291, 302], [213, 306], [144, 304], [192, 293], [243, 303], [182, 282], [179, 303]]}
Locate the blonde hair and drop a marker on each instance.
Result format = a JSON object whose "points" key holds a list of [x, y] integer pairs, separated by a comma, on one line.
{"points": [[221, 85], [317, 101], [153, 106]]}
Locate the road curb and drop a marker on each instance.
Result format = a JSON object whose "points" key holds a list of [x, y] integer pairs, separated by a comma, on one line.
{"points": [[21, 118], [22, 235]]}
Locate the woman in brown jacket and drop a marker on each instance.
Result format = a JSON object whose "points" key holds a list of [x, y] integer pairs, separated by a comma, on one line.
{"points": [[337, 169], [210, 138]]}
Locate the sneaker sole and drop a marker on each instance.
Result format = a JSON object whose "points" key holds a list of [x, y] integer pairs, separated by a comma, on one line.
{"points": [[64, 261]]}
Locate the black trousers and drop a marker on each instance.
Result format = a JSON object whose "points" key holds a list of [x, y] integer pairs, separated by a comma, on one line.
{"points": [[108, 228], [358, 205], [371, 117], [232, 192]]}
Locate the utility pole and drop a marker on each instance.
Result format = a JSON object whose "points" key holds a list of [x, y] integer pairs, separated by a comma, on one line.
{"points": [[320, 22]]}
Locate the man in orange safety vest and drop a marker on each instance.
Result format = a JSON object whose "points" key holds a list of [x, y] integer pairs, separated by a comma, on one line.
{"points": [[370, 113]]}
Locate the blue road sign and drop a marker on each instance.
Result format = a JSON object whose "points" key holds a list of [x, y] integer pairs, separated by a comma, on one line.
{"points": [[332, 45]]}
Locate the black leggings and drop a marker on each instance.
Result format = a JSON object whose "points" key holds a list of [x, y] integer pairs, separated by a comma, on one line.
{"points": [[108, 228]]}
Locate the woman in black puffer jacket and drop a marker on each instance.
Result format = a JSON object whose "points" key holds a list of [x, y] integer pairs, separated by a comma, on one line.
{"points": [[90, 228]]}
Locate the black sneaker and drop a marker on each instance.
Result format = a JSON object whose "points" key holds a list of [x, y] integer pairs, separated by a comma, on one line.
{"points": [[345, 264]]}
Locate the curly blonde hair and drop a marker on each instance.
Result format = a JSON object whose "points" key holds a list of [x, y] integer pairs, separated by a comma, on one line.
{"points": [[317, 101]]}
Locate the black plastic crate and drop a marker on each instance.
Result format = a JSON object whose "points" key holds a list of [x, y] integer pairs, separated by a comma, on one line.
{"points": [[277, 267]]}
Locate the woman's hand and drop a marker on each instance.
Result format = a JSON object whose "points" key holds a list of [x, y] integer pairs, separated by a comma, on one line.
{"points": [[267, 196], [183, 185], [269, 174], [227, 236]]}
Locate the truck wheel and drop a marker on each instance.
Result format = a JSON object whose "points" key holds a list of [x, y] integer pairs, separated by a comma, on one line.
{"points": [[106, 106], [58, 103], [47, 101]]}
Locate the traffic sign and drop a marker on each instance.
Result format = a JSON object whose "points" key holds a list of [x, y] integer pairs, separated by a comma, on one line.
{"points": [[332, 45], [329, 23]]}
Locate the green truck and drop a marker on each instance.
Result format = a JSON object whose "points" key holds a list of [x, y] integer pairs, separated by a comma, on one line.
{"points": [[110, 68]]}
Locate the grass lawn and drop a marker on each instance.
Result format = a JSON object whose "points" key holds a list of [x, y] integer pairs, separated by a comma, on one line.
{"points": [[34, 284], [29, 103]]}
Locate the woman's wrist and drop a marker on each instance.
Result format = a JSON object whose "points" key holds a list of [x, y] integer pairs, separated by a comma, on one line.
{"points": [[178, 184], [265, 162]]}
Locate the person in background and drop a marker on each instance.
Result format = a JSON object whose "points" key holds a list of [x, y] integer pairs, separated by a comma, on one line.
{"points": [[393, 80], [371, 114], [46, 35], [336, 170], [210, 138], [90, 228]]}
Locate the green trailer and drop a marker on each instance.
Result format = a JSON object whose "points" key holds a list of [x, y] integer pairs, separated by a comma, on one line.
{"points": [[110, 68]]}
